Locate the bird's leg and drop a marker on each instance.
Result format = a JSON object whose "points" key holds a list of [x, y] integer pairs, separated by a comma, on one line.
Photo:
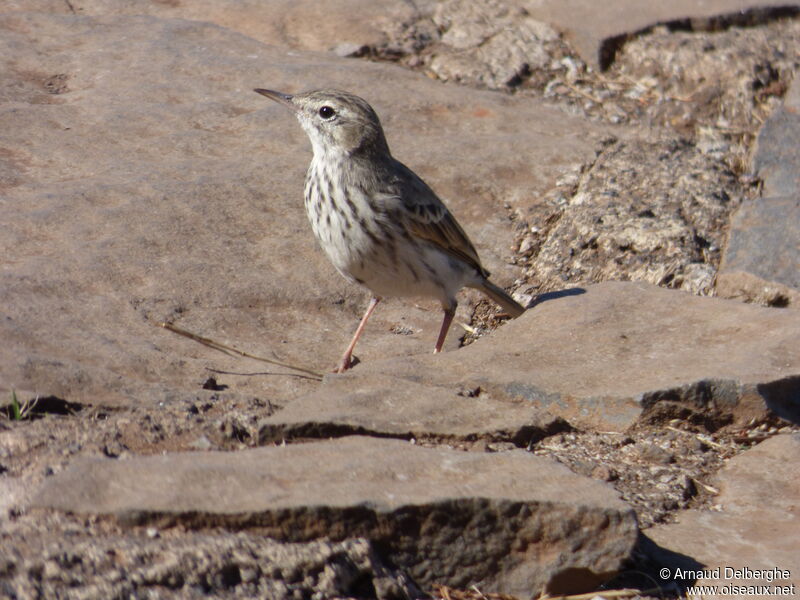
{"points": [[345, 363], [449, 313]]}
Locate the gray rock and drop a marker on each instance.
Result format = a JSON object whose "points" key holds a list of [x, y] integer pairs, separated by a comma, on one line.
{"points": [[762, 259], [776, 159], [500, 521], [604, 357], [755, 514]]}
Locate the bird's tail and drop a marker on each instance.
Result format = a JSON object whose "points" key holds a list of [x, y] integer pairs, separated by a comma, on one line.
{"points": [[500, 296]]}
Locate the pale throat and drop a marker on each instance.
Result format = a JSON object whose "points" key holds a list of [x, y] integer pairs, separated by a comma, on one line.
{"points": [[324, 150]]}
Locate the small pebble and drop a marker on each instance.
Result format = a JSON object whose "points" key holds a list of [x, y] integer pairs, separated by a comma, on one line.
{"points": [[201, 443], [696, 445], [349, 49], [657, 454]]}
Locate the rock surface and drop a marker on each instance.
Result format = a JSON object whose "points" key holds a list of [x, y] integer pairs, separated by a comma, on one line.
{"points": [[598, 34], [496, 520], [763, 253], [605, 357], [646, 210], [102, 562], [489, 44], [756, 514], [142, 181], [408, 409], [777, 158], [285, 23], [142, 193]]}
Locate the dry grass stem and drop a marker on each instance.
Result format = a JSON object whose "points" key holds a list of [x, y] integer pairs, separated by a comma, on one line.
{"points": [[235, 351]]}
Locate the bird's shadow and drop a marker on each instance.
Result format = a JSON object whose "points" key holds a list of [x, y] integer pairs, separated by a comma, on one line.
{"points": [[576, 291]]}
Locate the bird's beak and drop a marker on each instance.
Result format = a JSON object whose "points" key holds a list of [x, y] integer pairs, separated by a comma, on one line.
{"points": [[278, 97]]}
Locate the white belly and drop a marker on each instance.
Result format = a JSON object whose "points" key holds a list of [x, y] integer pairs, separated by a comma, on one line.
{"points": [[371, 248]]}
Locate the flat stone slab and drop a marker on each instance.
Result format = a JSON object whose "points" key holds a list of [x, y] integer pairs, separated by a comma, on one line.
{"points": [[411, 410], [282, 23], [754, 524], [762, 257], [135, 191], [604, 357], [776, 159], [507, 521], [597, 30]]}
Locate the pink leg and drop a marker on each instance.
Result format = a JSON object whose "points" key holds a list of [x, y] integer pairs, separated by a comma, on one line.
{"points": [[345, 363], [448, 318]]}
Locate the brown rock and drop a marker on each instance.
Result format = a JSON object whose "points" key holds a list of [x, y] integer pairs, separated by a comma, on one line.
{"points": [[286, 23], [756, 515], [597, 34], [77, 561], [762, 258], [489, 44], [610, 355], [409, 410], [501, 521], [750, 288], [156, 186]]}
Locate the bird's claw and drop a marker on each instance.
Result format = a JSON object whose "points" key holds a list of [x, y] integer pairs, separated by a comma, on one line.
{"points": [[345, 364]]}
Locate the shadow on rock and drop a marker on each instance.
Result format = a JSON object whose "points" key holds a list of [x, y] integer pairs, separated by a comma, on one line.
{"points": [[783, 397], [555, 295], [650, 562]]}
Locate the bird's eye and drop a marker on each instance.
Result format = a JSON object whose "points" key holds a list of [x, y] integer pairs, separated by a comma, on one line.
{"points": [[326, 112]]}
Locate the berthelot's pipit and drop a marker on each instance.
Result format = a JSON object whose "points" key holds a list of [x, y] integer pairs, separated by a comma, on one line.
{"points": [[378, 222]]}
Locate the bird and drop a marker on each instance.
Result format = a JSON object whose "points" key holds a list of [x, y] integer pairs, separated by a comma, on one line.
{"points": [[379, 223]]}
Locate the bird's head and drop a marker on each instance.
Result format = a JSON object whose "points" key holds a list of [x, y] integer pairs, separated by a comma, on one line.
{"points": [[335, 121]]}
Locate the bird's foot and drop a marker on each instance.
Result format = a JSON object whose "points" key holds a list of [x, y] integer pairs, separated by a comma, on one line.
{"points": [[347, 363]]}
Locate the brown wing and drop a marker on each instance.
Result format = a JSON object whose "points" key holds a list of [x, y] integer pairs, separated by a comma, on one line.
{"points": [[426, 217]]}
